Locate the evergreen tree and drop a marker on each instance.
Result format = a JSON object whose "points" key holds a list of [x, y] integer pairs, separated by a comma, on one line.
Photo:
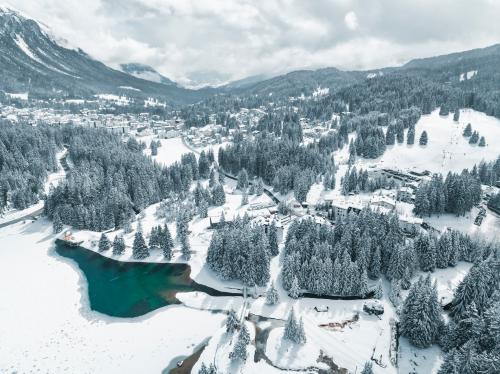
{"points": [[456, 115], [368, 368], [410, 136], [294, 289], [240, 348], [139, 248], [186, 249], [104, 243], [482, 142], [242, 180], [273, 239], [118, 245], [154, 148], [468, 130], [378, 293], [474, 138], [232, 322], [218, 195], [211, 180], [272, 297], [244, 198], [57, 225], [166, 243], [421, 319], [423, 138], [294, 331]]}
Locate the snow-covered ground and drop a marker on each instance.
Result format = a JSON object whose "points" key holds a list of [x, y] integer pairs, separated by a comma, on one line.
{"points": [[45, 317], [447, 150], [171, 150]]}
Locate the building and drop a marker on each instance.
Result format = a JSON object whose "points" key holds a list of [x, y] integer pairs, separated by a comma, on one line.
{"points": [[385, 202], [406, 195], [410, 224], [341, 209]]}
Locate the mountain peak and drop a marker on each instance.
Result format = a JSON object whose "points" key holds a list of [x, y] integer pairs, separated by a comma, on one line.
{"points": [[146, 72]]}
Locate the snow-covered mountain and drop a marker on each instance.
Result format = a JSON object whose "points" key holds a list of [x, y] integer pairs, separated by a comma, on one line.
{"points": [[146, 72], [32, 60]]}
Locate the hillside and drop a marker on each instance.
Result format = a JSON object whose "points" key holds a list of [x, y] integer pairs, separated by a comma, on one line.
{"points": [[31, 60]]}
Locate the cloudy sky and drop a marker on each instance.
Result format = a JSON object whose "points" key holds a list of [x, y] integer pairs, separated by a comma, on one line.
{"points": [[212, 41]]}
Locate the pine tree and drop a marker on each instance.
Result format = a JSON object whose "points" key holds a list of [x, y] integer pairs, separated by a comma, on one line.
{"points": [[423, 138], [272, 297], [242, 180], [232, 322], [211, 180], [378, 293], [118, 245], [104, 243], [468, 130], [410, 136], [244, 198], [186, 249], [166, 243], [273, 239], [240, 348], [482, 142], [294, 289], [139, 248], [57, 224], [456, 115], [294, 331], [368, 368], [421, 318]]}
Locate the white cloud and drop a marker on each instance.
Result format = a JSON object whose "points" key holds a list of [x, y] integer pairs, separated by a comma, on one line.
{"points": [[231, 39], [351, 20]]}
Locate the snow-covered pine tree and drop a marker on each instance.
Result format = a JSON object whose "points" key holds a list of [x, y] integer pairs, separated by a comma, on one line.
{"points": [[232, 322], [294, 330], [240, 348], [367, 368], [272, 297], [118, 245], [104, 243], [166, 243], [421, 318], [57, 224], [139, 248], [273, 239], [423, 138], [294, 289]]}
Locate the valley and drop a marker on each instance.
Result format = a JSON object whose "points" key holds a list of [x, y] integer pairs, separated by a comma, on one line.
{"points": [[317, 221]]}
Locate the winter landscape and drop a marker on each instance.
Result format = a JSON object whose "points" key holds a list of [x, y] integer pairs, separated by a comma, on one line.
{"points": [[230, 195]]}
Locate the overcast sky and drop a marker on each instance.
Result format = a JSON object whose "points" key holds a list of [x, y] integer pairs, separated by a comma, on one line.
{"points": [[220, 40]]}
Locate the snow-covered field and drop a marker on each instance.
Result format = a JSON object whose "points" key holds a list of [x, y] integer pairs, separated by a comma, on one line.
{"points": [[447, 150], [171, 150], [45, 317]]}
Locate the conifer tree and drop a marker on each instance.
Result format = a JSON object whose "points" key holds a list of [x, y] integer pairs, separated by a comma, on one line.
{"points": [[232, 322], [368, 368], [242, 180], [57, 224], [273, 239], [104, 243], [482, 142], [410, 136], [166, 243], [294, 331], [139, 248], [421, 318], [118, 245], [294, 289], [456, 115], [272, 297], [240, 348], [468, 130], [423, 138]]}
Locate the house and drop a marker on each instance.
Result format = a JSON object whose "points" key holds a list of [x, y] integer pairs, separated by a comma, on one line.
{"points": [[406, 195], [341, 209], [410, 224], [381, 201]]}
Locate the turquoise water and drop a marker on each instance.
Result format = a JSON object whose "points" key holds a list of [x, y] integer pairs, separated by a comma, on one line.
{"points": [[131, 289]]}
